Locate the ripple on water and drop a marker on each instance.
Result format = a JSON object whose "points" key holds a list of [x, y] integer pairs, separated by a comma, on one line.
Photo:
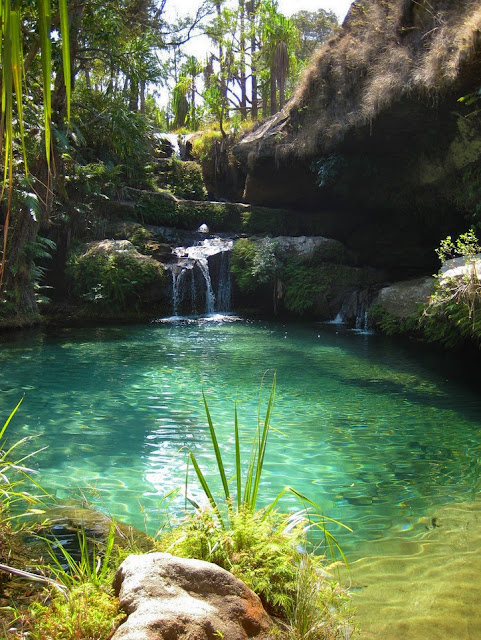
{"points": [[426, 586], [379, 439]]}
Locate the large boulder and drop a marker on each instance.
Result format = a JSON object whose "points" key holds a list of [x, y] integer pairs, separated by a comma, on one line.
{"points": [[167, 598], [113, 275], [402, 299], [460, 267]]}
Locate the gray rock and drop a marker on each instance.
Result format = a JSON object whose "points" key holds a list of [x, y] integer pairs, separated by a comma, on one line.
{"points": [[306, 245], [401, 299], [460, 267], [171, 598]]}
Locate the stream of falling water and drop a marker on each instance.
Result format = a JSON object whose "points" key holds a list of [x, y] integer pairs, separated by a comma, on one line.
{"points": [[194, 268]]}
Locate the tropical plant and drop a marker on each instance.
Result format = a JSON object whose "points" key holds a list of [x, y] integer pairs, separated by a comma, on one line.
{"points": [[453, 314], [262, 546], [280, 36], [245, 497], [13, 73]]}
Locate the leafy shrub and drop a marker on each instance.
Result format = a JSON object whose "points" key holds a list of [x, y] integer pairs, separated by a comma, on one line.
{"points": [[186, 180], [140, 237], [305, 285], [254, 548], [114, 280], [242, 264], [453, 314], [392, 325], [116, 136], [95, 179], [328, 169]]}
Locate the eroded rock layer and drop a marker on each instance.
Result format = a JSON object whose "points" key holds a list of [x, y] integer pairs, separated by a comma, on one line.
{"points": [[376, 140]]}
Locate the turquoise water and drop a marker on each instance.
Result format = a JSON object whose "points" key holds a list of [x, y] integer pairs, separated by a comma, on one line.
{"points": [[379, 434]]}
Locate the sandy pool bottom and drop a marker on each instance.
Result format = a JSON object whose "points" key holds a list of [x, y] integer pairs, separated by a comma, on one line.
{"points": [[428, 588]]}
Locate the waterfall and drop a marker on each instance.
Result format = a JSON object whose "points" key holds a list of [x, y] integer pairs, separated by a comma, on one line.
{"points": [[209, 293], [179, 144], [354, 310], [201, 277]]}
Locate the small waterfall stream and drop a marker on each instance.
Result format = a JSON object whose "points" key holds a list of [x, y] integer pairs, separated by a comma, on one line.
{"points": [[201, 277], [354, 310]]}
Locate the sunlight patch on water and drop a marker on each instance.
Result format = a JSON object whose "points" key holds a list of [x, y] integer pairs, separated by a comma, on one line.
{"points": [[374, 436]]}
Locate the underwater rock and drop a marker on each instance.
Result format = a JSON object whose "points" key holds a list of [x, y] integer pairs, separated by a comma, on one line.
{"points": [[64, 520], [167, 597], [359, 500]]}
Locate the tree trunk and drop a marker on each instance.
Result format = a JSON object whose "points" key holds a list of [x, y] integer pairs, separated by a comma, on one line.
{"points": [[242, 69], [142, 96], [273, 92], [282, 90], [251, 12], [133, 95], [18, 306]]}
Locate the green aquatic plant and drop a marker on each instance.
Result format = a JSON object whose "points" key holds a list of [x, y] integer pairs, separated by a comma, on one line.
{"points": [[247, 486], [264, 547]]}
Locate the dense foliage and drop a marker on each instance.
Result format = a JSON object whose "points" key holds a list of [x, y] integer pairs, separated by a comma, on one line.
{"points": [[114, 280]]}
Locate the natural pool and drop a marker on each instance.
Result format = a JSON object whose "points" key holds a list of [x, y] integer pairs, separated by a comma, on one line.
{"points": [[379, 434]]}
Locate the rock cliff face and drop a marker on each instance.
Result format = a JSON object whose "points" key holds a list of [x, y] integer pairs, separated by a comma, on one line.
{"points": [[375, 140]]}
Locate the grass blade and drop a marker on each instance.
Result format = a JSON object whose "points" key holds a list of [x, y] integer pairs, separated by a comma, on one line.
{"points": [[238, 469], [206, 488], [17, 67], [262, 444], [9, 418], [64, 29], [44, 21], [218, 457]]}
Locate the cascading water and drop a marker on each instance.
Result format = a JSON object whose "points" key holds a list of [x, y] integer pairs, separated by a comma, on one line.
{"points": [[354, 310], [201, 277], [178, 143]]}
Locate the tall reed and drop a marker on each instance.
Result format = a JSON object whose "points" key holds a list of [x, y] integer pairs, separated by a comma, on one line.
{"points": [[310, 516]]}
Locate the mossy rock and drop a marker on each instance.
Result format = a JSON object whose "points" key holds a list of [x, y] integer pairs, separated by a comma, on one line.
{"points": [[112, 274], [66, 519]]}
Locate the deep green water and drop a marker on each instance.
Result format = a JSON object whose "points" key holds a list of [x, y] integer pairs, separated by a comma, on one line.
{"points": [[378, 433]]}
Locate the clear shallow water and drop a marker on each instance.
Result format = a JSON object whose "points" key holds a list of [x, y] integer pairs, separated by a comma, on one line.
{"points": [[379, 434]]}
